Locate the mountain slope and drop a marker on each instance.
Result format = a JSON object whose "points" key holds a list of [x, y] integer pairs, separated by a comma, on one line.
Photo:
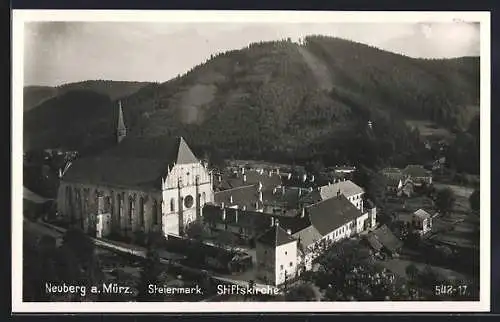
{"points": [[35, 95], [280, 91], [289, 99]]}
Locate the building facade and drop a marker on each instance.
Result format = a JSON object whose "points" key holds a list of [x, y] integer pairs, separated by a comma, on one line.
{"points": [[143, 184]]}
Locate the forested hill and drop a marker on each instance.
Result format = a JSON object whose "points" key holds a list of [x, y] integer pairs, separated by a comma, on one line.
{"points": [[35, 95], [313, 98]]}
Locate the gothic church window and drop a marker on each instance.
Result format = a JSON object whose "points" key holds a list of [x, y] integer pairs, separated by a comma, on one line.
{"points": [[154, 213], [188, 201], [172, 205], [131, 209], [204, 197], [141, 212]]}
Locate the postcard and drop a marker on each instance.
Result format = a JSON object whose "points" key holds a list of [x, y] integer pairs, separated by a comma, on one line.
{"points": [[250, 161]]}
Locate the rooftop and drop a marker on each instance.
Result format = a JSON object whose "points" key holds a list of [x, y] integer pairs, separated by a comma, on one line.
{"points": [[330, 214], [416, 171], [422, 214], [135, 162], [275, 236], [346, 187]]}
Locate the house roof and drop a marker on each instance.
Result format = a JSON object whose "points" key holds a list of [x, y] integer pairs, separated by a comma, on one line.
{"points": [[330, 214], [393, 181], [135, 162], [422, 214], [416, 171], [275, 236], [374, 242], [253, 219], [242, 196], [307, 236], [347, 188], [250, 177], [387, 238]]}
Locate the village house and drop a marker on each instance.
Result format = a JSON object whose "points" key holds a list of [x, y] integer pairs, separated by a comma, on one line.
{"points": [[383, 241], [276, 252], [332, 220], [418, 174], [421, 222], [347, 188]]}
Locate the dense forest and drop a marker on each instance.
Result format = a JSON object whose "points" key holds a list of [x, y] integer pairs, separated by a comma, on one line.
{"points": [[35, 95], [288, 102]]}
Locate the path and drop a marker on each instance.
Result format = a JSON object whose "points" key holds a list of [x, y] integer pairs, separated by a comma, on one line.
{"points": [[318, 68]]}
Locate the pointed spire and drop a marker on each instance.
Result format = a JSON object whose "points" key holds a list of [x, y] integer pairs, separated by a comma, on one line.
{"points": [[184, 153], [121, 130]]}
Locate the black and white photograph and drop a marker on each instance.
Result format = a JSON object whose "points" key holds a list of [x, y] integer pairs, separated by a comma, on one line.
{"points": [[264, 161]]}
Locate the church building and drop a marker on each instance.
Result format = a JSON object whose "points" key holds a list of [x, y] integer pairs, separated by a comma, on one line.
{"points": [[140, 185]]}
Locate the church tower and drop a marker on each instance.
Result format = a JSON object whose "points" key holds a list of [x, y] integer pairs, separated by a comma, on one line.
{"points": [[121, 130]]}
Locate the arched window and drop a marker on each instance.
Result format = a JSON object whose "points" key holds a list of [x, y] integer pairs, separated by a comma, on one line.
{"points": [[172, 205], [131, 210], [154, 213], [120, 207], [204, 197], [141, 212]]}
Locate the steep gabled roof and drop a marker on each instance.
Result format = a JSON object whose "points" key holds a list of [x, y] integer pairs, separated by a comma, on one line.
{"points": [[416, 171], [347, 188], [135, 162], [307, 236], [275, 236], [388, 239], [328, 215], [422, 214]]}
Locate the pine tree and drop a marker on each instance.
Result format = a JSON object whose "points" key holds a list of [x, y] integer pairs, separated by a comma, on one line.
{"points": [[150, 275]]}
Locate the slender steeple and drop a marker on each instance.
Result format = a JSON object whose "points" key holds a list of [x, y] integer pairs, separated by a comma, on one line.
{"points": [[121, 130]]}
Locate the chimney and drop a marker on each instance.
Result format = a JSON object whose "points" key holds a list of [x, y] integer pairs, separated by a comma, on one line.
{"points": [[220, 178], [244, 178], [272, 221], [260, 196], [283, 190], [224, 214], [303, 214], [222, 205], [304, 178], [244, 208], [242, 170], [278, 171], [231, 199], [274, 190], [276, 222], [289, 176], [270, 173], [236, 216]]}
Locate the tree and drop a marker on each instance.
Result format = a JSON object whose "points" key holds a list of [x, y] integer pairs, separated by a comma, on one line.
{"points": [[302, 293], [196, 230], [226, 239], [412, 271], [474, 200], [77, 260], [150, 274], [445, 199]]}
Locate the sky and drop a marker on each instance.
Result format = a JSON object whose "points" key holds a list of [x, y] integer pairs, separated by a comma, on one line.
{"points": [[62, 52]]}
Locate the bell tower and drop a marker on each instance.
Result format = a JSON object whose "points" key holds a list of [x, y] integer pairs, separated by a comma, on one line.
{"points": [[121, 130]]}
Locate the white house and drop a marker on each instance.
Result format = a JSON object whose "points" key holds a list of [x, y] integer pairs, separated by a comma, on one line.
{"points": [[421, 222], [347, 188], [276, 252]]}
